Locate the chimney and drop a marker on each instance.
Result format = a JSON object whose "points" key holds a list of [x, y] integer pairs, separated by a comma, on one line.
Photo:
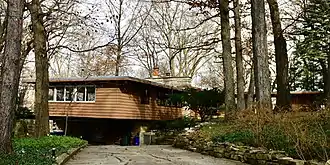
{"points": [[155, 72]]}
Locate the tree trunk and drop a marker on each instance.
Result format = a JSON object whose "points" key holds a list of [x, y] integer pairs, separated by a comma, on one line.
{"points": [[10, 61], [327, 84], [41, 64], [260, 55], [281, 57], [239, 57], [118, 58], [119, 39], [3, 27], [227, 61], [250, 95]]}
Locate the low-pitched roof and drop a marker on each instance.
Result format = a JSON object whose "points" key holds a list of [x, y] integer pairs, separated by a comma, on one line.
{"points": [[104, 78], [301, 93]]}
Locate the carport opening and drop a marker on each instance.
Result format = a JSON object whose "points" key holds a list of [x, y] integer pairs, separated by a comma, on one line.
{"points": [[102, 131]]}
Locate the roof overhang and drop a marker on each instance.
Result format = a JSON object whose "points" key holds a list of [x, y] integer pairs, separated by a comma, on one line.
{"points": [[104, 78]]}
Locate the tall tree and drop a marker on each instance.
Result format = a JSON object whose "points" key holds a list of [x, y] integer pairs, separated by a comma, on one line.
{"points": [[250, 94], [239, 57], [281, 57], [313, 50], [123, 15], [41, 64], [3, 25], [227, 60], [260, 55], [171, 40], [10, 62]]}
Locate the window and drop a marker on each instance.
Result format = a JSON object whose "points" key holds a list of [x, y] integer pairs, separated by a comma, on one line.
{"points": [[162, 99], [59, 93], [90, 93], [51, 93], [81, 94], [71, 93], [145, 97]]}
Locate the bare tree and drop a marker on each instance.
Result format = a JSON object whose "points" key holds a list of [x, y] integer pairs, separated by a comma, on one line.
{"points": [[260, 54], [249, 73], [123, 15], [3, 25], [227, 60], [239, 57], [281, 57], [41, 65], [211, 75], [147, 52], [173, 38], [10, 72]]}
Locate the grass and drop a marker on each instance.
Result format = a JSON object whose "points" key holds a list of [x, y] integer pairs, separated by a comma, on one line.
{"points": [[32, 151]]}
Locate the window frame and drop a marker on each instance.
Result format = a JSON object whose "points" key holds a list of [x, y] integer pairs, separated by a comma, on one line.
{"points": [[145, 97], [75, 89], [86, 93], [54, 94], [55, 99]]}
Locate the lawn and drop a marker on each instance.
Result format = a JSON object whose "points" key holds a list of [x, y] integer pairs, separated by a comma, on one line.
{"points": [[32, 151]]}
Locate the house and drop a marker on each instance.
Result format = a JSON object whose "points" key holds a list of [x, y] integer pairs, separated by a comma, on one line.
{"points": [[303, 100], [104, 108]]}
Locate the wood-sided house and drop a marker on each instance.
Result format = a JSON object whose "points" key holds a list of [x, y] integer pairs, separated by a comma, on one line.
{"points": [[105, 103]]}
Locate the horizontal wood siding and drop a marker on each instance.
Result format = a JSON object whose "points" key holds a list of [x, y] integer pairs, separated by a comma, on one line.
{"points": [[113, 103]]}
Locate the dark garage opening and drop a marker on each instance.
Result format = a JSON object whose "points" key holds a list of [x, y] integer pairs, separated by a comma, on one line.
{"points": [[100, 131]]}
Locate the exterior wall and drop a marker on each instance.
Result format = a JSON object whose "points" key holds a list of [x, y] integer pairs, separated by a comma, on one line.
{"points": [[303, 101], [113, 102]]}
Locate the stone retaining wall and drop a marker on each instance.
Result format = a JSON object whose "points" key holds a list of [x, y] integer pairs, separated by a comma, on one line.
{"points": [[250, 155]]}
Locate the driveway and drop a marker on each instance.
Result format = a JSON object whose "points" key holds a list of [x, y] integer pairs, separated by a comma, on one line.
{"points": [[145, 155]]}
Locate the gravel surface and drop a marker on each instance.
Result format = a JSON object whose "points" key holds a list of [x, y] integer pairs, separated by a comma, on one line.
{"points": [[145, 155]]}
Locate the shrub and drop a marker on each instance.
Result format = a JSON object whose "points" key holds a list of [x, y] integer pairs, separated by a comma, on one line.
{"points": [[174, 125], [301, 134], [304, 135], [241, 136], [205, 103], [30, 151], [273, 137]]}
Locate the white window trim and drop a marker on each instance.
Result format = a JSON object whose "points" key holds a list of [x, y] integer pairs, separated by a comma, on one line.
{"points": [[94, 93], [55, 94], [75, 89], [69, 86]]}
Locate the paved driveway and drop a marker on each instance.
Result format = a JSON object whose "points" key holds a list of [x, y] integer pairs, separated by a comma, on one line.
{"points": [[146, 155]]}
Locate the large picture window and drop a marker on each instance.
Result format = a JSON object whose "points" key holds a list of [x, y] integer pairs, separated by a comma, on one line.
{"points": [[72, 93], [59, 93], [81, 94], [144, 97], [69, 94], [90, 91], [51, 94]]}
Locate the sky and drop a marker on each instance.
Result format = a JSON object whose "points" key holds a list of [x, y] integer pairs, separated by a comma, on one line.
{"points": [[100, 18]]}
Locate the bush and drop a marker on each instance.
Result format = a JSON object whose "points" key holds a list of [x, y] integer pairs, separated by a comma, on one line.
{"points": [[301, 134], [174, 125], [274, 137], [242, 136], [205, 102], [30, 151], [304, 135]]}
